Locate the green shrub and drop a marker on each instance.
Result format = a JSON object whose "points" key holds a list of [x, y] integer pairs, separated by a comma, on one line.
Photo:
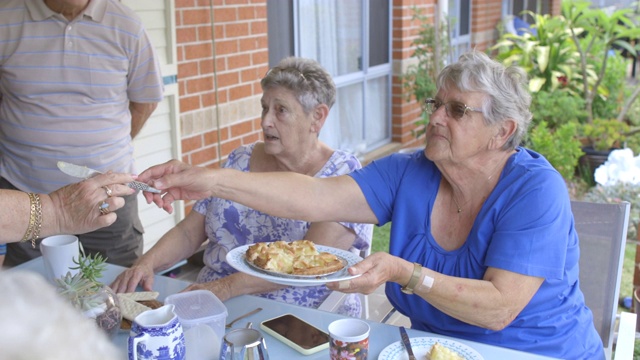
{"points": [[560, 147]]}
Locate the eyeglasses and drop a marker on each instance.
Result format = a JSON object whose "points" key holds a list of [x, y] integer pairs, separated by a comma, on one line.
{"points": [[454, 109]]}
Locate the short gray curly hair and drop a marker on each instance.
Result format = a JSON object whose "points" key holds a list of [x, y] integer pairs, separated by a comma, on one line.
{"points": [[306, 78], [505, 87]]}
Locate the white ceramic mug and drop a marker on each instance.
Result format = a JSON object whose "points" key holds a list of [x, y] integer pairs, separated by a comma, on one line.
{"points": [[349, 339], [157, 334], [58, 253]]}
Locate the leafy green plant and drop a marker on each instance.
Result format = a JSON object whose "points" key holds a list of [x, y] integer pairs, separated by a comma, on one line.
{"points": [[594, 32], [559, 147], [549, 56], [80, 288], [556, 107], [419, 81], [605, 134]]}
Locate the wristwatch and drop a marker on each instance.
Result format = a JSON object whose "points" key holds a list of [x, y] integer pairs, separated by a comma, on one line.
{"points": [[415, 277]]}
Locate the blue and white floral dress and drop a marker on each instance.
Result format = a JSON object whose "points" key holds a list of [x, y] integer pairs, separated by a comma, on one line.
{"points": [[229, 225]]}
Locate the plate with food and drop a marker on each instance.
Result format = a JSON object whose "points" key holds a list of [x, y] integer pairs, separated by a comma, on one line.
{"points": [[295, 263], [430, 348]]}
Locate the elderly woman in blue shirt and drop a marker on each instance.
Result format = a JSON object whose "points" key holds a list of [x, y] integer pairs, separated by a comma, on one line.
{"points": [[483, 245]]}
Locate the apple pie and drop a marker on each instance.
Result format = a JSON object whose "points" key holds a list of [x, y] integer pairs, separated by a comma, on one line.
{"points": [[439, 352], [298, 257]]}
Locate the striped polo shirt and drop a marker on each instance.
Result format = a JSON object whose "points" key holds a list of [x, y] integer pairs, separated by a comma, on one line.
{"points": [[65, 88]]}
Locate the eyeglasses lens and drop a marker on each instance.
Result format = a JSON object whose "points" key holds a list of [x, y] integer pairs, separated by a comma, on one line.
{"points": [[454, 109]]}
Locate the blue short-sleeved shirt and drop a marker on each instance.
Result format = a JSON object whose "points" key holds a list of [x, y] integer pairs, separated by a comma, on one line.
{"points": [[525, 226]]}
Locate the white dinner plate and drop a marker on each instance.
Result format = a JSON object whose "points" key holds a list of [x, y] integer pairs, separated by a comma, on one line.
{"points": [[236, 258], [421, 347]]}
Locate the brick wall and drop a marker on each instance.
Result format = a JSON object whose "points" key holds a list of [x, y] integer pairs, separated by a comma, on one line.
{"points": [[219, 100]]}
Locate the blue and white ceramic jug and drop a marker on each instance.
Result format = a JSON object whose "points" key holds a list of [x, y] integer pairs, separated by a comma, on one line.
{"points": [[157, 334]]}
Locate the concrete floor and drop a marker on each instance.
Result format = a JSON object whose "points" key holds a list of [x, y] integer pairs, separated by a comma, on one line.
{"points": [[379, 306]]}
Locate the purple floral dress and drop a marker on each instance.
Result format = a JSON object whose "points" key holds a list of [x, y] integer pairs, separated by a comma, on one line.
{"points": [[229, 225]]}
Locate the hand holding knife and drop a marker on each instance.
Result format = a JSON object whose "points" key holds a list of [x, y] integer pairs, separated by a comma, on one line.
{"points": [[406, 342], [84, 172]]}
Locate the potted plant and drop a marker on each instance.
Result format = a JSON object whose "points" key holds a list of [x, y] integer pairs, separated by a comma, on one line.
{"points": [[95, 299]]}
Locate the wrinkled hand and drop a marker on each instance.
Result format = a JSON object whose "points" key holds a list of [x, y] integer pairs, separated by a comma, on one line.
{"points": [[177, 181], [218, 287], [76, 205], [128, 280], [376, 270]]}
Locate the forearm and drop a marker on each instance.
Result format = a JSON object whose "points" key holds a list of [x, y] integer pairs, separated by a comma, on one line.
{"points": [[16, 213], [140, 113], [476, 302], [177, 244], [243, 284], [292, 195]]}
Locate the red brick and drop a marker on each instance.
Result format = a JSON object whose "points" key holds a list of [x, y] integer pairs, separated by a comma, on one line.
{"points": [[195, 17], [259, 58], [226, 47], [236, 30], [248, 44], [198, 51], [188, 69], [206, 66], [227, 79], [189, 103], [185, 35], [258, 27], [199, 85], [224, 15], [210, 137], [184, 3], [240, 92], [246, 13], [204, 156], [204, 33], [251, 74], [192, 143], [236, 2], [229, 146], [239, 61], [251, 138], [240, 129]]}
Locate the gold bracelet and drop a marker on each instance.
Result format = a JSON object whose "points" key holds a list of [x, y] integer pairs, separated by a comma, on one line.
{"points": [[35, 220]]}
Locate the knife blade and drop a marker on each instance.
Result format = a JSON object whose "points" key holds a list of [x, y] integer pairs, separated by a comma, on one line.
{"points": [[406, 342], [84, 172]]}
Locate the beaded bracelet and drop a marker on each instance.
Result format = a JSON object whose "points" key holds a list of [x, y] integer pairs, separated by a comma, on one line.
{"points": [[35, 220]]}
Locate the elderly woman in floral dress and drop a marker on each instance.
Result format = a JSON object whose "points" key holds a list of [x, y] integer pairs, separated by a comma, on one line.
{"points": [[297, 97]]}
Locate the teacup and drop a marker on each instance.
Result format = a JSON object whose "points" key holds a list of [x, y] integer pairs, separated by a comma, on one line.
{"points": [[349, 339], [157, 334], [244, 344]]}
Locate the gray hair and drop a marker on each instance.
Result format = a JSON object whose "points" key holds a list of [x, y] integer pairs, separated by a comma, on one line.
{"points": [[309, 81], [507, 96]]}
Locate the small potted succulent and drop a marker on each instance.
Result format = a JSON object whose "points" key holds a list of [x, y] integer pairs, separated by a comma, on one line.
{"points": [[95, 299]]}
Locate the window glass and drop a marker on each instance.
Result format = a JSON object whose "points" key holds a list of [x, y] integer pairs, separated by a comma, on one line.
{"points": [[331, 33], [377, 111], [378, 32]]}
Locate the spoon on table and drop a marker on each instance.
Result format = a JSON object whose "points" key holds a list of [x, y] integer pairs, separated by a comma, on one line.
{"points": [[242, 317]]}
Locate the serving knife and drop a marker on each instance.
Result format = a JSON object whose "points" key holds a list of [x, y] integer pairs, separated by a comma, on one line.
{"points": [[406, 342], [84, 172]]}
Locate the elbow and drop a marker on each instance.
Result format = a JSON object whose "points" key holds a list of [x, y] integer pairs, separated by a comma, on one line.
{"points": [[500, 321]]}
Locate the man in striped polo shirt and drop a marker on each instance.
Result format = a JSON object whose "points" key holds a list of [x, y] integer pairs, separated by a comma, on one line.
{"points": [[78, 80]]}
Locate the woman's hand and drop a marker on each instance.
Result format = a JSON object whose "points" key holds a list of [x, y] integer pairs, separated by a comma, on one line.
{"points": [[75, 206], [139, 274], [376, 270], [177, 181]]}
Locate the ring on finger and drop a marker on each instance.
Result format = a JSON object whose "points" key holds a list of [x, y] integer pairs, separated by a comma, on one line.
{"points": [[109, 192], [104, 208]]}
